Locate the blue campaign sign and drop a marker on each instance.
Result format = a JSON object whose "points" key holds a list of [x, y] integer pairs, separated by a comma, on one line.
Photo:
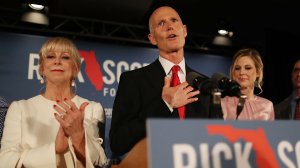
{"points": [[102, 65], [216, 143]]}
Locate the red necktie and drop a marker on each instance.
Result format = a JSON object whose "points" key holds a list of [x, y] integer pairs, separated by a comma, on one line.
{"points": [[297, 109], [174, 82]]}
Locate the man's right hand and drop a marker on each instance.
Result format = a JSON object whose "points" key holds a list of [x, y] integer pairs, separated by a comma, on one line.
{"points": [[179, 95]]}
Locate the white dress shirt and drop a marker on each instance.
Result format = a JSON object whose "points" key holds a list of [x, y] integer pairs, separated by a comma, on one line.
{"points": [[167, 65]]}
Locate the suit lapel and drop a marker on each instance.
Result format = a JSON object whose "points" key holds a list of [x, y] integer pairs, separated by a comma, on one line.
{"points": [[156, 74], [289, 113], [189, 109]]}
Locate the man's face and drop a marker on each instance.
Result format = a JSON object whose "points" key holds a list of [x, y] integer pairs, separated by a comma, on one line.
{"points": [[296, 75], [167, 30]]}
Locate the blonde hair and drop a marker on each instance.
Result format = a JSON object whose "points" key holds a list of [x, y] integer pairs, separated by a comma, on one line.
{"points": [[61, 44], [256, 57]]}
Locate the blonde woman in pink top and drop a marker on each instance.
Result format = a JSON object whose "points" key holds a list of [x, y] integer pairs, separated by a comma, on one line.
{"points": [[247, 70]]}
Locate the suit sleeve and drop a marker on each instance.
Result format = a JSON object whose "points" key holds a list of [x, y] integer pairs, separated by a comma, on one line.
{"points": [[283, 110], [130, 111]]}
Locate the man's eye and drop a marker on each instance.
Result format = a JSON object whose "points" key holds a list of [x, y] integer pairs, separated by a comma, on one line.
{"points": [[296, 70], [174, 20], [161, 23]]}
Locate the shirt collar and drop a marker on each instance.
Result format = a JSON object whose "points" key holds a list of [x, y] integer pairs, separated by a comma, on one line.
{"points": [[167, 65]]}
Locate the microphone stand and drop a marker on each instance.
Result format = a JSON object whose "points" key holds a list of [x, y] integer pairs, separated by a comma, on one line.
{"points": [[240, 105], [216, 109]]}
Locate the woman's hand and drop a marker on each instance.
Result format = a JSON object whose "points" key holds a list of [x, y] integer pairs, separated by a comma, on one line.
{"points": [[71, 120], [61, 141]]}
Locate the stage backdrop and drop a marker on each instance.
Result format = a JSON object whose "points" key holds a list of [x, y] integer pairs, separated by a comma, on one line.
{"points": [[98, 79]]}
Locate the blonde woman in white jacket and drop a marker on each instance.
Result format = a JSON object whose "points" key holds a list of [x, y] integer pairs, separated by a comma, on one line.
{"points": [[56, 128]]}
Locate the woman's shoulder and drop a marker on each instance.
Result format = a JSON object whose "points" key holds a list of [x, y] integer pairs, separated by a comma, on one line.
{"points": [[80, 100], [93, 110], [31, 99], [264, 100], [26, 103], [229, 99]]}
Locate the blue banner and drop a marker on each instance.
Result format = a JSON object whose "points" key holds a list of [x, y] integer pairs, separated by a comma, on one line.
{"points": [[102, 65], [222, 144]]}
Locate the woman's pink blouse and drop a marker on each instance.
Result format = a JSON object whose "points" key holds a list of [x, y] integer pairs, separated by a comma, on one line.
{"points": [[257, 109]]}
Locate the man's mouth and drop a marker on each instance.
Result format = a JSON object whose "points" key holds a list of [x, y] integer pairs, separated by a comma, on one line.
{"points": [[172, 36]]}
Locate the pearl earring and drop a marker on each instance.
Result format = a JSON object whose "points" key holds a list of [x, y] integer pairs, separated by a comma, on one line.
{"points": [[73, 84], [42, 81]]}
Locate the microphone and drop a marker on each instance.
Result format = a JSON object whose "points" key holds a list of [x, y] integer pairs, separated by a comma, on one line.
{"points": [[240, 105], [205, 85], [227, 86], [209, 89], [230, 88], [215, 107]]}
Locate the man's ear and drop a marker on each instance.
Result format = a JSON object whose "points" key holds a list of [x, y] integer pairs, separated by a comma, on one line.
{"points": [[152, 39], [185, 30]]}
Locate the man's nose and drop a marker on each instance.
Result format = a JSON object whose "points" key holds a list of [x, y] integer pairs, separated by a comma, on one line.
{"points": [[169, 26]]}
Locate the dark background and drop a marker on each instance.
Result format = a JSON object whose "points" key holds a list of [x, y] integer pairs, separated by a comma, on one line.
{"points": [[270, 26]]}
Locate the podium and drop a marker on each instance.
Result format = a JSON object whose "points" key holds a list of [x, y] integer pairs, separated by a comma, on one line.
{"points": [[216, 144], [205, 143], [137, 157]]}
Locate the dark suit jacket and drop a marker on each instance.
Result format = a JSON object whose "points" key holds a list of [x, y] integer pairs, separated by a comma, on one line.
{"points": [[283, 110], [138, 98]]}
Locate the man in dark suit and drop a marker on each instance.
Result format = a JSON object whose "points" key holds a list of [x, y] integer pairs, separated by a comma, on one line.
{"points": [[286, 109], [146, 92]]}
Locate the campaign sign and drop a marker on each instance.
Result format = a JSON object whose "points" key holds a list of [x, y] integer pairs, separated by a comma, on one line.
{"points": [[223, 144], [98, 79]]}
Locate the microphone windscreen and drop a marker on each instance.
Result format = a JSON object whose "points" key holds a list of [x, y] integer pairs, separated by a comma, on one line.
{"points": [[202, 83], [191, 76], [218, 76]]}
